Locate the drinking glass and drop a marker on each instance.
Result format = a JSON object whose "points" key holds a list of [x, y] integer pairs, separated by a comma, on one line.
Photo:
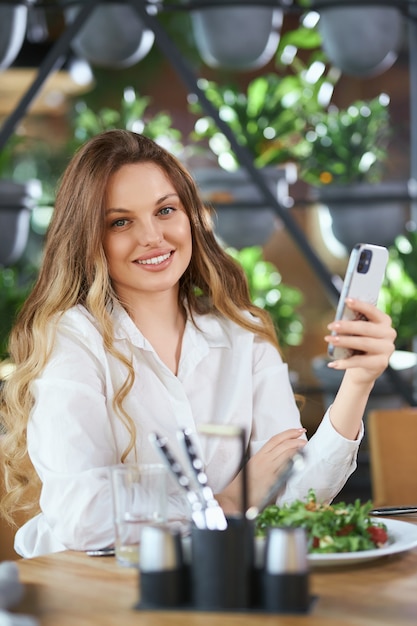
{"points": [[140, 499]]}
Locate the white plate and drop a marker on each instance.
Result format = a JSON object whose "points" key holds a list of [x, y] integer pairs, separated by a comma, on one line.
{"points": [[402, 537]]}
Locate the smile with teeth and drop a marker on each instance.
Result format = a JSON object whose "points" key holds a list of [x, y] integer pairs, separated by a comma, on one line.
{"points": [[156, 260]]}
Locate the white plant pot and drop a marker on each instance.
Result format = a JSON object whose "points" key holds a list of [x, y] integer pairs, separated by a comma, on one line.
{"points": [[238, 38], [113, 36], [13, 22], [242, 216], [361, 41], [366, 213]]}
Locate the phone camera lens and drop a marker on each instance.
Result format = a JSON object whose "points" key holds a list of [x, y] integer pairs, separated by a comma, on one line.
{"points": [[364, 261]]}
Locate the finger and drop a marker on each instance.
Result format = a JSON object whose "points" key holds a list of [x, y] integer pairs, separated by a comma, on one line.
{"points": [[284, 450], [267, 459], [263, 471], [363, 345], [279, 438], [369, 310], [285, 455], [363, 329]]}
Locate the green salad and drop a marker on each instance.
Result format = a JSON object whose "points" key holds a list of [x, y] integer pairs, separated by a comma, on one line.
{"points": [[330, 527]]}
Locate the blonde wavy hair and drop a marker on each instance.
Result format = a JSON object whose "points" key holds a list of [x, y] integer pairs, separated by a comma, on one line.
{"points": [[74, 271]]}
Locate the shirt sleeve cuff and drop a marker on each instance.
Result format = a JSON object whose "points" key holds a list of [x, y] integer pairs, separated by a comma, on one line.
{"points": [[328, 443]]}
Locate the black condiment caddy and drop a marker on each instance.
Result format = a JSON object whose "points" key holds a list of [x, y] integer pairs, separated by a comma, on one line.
{"points": [[224, 572], [226, 569]]}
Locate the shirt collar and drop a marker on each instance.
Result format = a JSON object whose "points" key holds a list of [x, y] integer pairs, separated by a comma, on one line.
{"points": [[212, 329]]}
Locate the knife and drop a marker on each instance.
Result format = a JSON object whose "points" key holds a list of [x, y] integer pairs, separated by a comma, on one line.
{"points": [[394, 510]]}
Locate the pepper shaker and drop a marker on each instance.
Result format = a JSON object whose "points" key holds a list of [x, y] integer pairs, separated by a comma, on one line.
{"points": [[285, 584]]}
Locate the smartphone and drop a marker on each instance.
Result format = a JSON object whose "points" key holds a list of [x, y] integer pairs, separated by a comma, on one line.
{"points": [[364, 276]]}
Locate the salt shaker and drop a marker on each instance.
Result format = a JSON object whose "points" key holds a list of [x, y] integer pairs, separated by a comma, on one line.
{"points": [[161, 568], [285, 585]]}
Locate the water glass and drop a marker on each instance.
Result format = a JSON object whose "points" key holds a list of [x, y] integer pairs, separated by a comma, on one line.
{"points": [[140, 499]]}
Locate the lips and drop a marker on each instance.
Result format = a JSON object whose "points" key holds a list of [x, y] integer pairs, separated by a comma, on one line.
{"points": [[155, 260]]}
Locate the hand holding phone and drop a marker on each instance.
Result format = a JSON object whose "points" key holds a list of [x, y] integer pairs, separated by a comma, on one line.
{"points": [[363, 280]]}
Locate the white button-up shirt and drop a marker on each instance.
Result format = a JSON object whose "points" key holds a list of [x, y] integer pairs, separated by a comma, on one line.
{"points": [[226, 375]]}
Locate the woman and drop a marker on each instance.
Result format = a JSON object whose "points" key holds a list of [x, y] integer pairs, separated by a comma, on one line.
{"points": [[139, 322]]}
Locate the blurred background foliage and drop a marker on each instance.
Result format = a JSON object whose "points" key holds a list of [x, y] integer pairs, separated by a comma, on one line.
{"points": [[269, 292]]}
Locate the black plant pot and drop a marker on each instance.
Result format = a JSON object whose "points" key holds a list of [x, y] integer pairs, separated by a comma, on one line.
{"points": [[242, 216], [16, 204], [113, 36], [238, 38], [369, 213], [361, 40], [13, 22]]}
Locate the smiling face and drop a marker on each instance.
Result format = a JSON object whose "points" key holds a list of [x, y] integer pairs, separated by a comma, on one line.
{"points": [[147, 239]]}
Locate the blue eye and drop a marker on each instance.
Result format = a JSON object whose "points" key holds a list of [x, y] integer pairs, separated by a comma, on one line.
{"points": [[166, 210], [119, 223]]}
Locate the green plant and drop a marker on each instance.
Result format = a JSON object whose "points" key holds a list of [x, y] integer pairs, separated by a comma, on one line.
{"points": [[15, 284], [398, 295], [269, 292], [287, 116], [270, 116], [347, 145], [132, 114]]}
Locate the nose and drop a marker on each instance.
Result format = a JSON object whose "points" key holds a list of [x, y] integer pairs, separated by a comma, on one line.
{"points": [[149, 233]]}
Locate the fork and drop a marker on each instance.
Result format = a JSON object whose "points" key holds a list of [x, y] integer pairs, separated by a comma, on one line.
{"points": [[214, 514]]}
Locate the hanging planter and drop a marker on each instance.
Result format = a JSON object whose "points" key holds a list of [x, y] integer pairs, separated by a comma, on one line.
{"points": [[373, 213], [344, 168], [13, 22], [242, 217], [16, 204], [113, 36], [238, 38], [360, 40]]}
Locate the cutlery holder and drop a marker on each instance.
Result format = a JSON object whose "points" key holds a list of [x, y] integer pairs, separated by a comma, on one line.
{"points": [[221, 565]]}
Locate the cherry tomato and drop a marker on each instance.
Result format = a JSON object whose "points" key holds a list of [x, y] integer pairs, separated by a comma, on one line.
{"points": [[378, 535]]}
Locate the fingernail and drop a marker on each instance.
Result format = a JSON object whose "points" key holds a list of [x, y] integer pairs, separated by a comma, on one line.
{"points": [[333, 326]]}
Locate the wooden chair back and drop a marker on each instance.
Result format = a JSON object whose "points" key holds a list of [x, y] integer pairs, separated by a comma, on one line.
{"points": [[392, 440]]}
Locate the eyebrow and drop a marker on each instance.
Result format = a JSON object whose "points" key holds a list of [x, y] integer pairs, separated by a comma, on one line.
{"points": [[116, 210], [160, 200]]}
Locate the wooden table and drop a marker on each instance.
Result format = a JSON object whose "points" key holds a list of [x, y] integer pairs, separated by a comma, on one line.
{"points": [[73, 589]]}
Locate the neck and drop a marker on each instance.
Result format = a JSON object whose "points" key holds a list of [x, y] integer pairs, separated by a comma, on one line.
{"points": [[161, 310], [162, 321]]}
